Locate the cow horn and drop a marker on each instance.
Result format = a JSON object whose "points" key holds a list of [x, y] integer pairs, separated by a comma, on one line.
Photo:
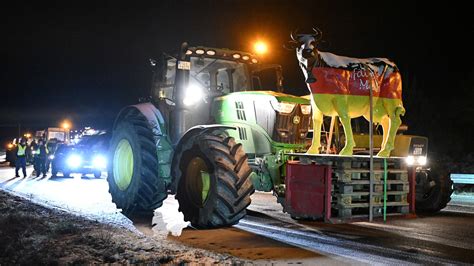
{"points": [[318, 33], [293, 34]]}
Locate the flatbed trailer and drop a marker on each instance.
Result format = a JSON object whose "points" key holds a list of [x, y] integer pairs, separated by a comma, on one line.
{"points": [[338, 188]]}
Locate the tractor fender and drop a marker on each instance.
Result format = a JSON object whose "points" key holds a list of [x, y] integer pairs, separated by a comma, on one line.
{"points": [[189, 134], [150, 112]]}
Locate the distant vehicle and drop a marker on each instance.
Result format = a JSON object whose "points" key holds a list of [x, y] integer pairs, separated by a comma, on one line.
{"points": [[88, 156]]}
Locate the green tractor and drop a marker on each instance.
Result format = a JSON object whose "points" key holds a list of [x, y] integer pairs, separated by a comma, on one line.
{"points": [[216, 127]]}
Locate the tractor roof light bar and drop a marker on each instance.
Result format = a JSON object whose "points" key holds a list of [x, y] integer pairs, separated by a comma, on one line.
{"points": [[223, 54]]}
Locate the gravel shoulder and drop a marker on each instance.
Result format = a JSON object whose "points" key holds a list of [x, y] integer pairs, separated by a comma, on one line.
{"points": [[30, 233]]}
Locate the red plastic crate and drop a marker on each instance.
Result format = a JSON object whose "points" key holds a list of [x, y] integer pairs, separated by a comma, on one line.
{"points": [[308, 190]]}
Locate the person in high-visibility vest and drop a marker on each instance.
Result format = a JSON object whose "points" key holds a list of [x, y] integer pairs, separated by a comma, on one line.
{"points": [[21, 158], [42, 158]]}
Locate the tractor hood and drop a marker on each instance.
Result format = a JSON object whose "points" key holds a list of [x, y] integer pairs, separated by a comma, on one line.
{"points": [[280, 97], [277, 117]]}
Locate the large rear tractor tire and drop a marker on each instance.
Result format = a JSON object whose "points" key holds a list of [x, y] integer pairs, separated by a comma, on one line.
{"points": [[433, 190], [133, 178], [214, 186]]}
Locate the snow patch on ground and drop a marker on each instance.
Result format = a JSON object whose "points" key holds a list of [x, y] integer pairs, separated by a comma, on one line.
{"points": [[168, 218]]}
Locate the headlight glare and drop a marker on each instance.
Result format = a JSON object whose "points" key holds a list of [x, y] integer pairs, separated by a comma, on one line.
{"points": [[99, 161], [410, 160], [193, 94], [421, 160], [74, 161]]}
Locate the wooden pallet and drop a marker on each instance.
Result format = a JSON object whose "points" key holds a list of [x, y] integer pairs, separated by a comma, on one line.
{"points": [[362, 209], [348, 175], [350, 185], [392, 185], [348, 200]]}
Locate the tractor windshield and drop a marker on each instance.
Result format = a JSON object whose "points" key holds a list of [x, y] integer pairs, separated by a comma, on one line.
{"points": [[222, 75]]}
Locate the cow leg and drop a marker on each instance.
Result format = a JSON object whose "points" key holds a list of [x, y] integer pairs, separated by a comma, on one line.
{"points": [[395, 122], [317, 122], [385, 122], [341, 108]]}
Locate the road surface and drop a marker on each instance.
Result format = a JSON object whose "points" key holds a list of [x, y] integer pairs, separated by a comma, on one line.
{"points": [[269, 234]]}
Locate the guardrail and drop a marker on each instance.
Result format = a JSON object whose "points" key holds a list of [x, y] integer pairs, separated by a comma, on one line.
{"points": [[463, 179]]}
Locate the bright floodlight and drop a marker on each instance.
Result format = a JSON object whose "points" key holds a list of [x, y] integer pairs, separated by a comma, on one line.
{"points": [[193, 94], [260, 47], [410, 160], [74, 161]]}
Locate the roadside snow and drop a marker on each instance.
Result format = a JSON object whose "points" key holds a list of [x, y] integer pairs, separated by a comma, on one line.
{"points": [[168, 218]]}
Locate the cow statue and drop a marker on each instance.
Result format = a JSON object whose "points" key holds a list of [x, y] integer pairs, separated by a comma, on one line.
{"points": [[339, 86]]}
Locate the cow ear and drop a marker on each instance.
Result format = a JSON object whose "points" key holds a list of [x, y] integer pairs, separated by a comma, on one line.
{"points": [[291, 45]]}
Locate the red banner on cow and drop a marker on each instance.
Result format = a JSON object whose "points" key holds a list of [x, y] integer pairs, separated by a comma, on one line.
{"points": [[356, 82]]}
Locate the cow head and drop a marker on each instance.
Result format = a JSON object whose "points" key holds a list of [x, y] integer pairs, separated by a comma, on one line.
{"points": [[306, 51]]}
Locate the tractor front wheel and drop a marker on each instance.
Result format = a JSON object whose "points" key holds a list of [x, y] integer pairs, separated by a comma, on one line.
{"points": [[214, 187], [133, 178]]}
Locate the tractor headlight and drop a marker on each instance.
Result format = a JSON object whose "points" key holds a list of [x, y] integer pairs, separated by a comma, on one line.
{"points": [[421, 160], [74, 161], [99, 161], [193, 94], [306, 109], [416, 160], [284, 107]]}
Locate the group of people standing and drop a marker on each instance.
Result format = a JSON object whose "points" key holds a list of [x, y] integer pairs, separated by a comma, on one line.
{"points": [[40, 154]]}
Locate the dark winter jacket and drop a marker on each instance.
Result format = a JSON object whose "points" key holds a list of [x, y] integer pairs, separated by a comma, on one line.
{"points": [[43, 151]]}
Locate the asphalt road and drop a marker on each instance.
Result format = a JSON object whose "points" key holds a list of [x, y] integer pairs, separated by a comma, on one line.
{"points": [[268, 233]]}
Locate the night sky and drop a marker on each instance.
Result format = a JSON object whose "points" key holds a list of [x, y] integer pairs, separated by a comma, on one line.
{"points": [[85, 60]]}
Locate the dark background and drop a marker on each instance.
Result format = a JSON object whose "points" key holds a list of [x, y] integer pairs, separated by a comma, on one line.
{"points": [[85, 60]]}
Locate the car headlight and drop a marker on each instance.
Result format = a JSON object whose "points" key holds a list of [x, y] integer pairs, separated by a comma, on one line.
{"points": [[284, 107], [193, 94], [99, 161], [74, 161]]}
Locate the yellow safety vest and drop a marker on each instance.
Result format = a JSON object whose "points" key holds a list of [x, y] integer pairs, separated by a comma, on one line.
{"points": [[21, 150]]}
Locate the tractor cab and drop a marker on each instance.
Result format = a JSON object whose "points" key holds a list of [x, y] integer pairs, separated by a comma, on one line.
{"points": [[186, 85]]}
